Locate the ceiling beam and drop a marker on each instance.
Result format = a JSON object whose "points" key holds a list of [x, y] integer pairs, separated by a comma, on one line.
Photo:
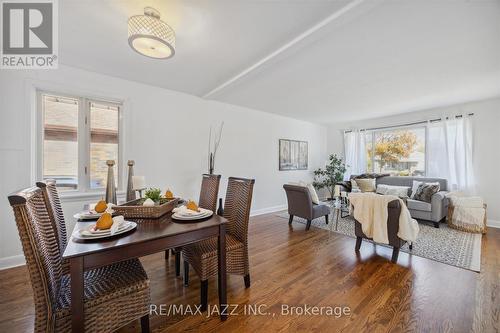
{"points": [[351, 5]]}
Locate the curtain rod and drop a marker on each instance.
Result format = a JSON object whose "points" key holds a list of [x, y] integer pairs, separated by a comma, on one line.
{"points": [[408, 124]]}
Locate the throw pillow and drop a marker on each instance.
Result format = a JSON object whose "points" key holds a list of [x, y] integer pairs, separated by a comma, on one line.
{"points": [[310, 187], [399, 191], [426, 191], [314, 195], [366, 184], [354, 186], [415, 186]]}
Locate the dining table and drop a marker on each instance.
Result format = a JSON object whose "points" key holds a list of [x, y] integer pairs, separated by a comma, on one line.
{"points": [[150, 236]]}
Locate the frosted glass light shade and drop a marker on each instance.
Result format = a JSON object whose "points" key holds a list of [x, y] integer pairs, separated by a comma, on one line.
{"points": [[150, 36]]}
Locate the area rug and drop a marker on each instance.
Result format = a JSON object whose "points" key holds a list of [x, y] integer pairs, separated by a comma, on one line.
{"points": [[443, 244]]}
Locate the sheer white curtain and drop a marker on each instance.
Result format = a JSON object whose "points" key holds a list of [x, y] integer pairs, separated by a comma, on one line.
{"points": [[449, 152], [355, 153]]}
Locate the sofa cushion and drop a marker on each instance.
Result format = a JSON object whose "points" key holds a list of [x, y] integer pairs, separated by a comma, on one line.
{"points": [[426, 191], [354, 186], [320, 210], [399, 191], [408, 181], [366, 184], [418, 205], [416, 184]]}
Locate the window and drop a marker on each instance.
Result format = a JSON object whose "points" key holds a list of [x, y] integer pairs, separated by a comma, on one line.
{"points": [[78, 135], [103, 141], [400, 152]]}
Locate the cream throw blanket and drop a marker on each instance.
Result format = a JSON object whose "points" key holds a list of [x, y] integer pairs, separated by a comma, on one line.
{"points": [[468, 212], [371, 211]]}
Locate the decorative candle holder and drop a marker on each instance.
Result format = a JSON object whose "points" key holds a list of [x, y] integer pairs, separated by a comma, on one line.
{"points": [[110, 186], [140, 191], [130, 186], [139, 184]]}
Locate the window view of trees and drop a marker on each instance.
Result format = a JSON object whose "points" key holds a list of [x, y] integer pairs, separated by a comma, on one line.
{"points": [[399, 152]]}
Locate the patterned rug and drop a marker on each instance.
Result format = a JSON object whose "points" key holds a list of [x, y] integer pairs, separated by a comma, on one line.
{"points": [[443, 244]]}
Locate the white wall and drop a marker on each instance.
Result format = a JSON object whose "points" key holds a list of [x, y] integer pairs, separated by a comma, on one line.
{"points": [[166, 133], [486, 143]]}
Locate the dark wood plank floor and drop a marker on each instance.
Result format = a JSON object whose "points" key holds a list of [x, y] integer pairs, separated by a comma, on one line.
{"points": [[295, 267]]}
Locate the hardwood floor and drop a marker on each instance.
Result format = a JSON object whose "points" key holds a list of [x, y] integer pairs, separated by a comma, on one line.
{"points": [[293, 267]]}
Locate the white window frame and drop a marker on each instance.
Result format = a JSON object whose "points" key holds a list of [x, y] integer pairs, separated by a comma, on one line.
{"points": [[419, 126], [83, 137]]}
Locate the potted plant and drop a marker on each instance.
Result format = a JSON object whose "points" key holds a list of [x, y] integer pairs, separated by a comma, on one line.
{"points": [[153, 194], [329, 176]]}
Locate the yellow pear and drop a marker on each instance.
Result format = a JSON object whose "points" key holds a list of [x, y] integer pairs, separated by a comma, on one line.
{"points": [[169, 194], [104, 222], [192, 206], [101, 206]]}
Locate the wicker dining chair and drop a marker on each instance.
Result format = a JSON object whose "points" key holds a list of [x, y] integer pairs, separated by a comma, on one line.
{"points": [[209, 192], [114, 295], [54, 208], [202, 256], [208, 199]]}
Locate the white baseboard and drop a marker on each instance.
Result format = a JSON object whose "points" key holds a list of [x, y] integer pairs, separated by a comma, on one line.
{"points": [[268, 210], [493, 224], [9, 262]]}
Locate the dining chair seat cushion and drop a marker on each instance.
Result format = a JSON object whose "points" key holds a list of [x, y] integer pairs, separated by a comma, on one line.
{"points": [[114, 295], [204, 256]]}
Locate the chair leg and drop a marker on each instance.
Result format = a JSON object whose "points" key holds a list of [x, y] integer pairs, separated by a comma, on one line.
{"points": [[167, 252], [290, 219], [247, 280], [358, 243], [436, 225], [177, 263], [145, 324], [186, 273], [204, 295], [326, 219], [411, 246], [395, 254], [308, 225]]}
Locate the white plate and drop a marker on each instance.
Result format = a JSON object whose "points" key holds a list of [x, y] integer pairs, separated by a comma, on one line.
{"points": [[128, 225], [102, 232], [89, 215], [187, 212], [176, 216]]}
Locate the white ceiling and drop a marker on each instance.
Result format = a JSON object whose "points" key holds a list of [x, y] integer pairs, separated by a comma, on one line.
{"points": [[214, 39], [357, 59]]}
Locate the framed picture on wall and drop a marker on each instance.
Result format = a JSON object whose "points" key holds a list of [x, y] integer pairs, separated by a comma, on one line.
{"points": [[293, 155]]}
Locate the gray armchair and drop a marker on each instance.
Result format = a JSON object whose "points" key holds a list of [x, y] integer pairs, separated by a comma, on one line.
{"points": [[300, 204]]}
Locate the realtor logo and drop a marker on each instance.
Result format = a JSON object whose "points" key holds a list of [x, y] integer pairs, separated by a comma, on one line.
{"points": [[29, 34]]}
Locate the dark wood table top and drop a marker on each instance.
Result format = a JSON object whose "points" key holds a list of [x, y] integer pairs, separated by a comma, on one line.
{"points": [[147, 230]]}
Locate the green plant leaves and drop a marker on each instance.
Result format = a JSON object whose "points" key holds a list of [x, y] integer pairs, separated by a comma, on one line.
{"points": [[332, 173], [153, 194]]}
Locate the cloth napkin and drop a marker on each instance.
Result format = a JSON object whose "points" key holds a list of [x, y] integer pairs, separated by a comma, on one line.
{"points": [[117, 222]]}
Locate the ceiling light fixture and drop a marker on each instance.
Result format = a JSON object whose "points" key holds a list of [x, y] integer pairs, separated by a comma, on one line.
{"points": [[150, 36]]}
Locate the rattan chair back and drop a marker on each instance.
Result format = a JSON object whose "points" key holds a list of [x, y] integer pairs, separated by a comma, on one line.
{"points": [[209, 192]]}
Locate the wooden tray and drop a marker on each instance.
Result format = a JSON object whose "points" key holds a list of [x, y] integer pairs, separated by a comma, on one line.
{"points": [[135, 209]]}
